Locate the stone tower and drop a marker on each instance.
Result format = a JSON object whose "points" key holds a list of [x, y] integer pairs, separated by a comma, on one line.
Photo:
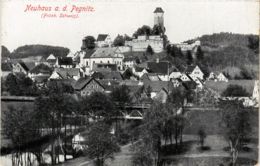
{"points": [[158, 17]]}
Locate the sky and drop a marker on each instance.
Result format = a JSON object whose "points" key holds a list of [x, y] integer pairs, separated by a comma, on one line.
{"points": [[185, 19]]}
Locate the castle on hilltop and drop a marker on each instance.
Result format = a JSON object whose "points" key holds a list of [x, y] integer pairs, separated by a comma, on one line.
{"points": [[155, 41]]}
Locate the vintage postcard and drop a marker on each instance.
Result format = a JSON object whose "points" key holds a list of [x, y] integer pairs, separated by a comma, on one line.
{"points": [[129, 83]]}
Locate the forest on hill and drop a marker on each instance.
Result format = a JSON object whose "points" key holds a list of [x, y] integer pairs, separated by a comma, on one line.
{"points": [[227, 49], [235, 54], [35, 50]]}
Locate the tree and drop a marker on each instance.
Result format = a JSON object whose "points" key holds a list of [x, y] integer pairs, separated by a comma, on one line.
{"points": [[253, 42], [119, 41], [20, 85], [235, 91], [88, 43], [199, 54], [158, 30], [128, 74], [189, 57], [121, 95], [202, 135], [127, 38], [149, 50], [144, 30], [98, 105], [237, 126], [4, 52], [21, 127], [101, 144], [168, 49]]}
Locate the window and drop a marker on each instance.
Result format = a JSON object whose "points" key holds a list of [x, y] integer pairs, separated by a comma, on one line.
{"points": [[100, 61], [93, 61], [87, 63], [108, 62]]}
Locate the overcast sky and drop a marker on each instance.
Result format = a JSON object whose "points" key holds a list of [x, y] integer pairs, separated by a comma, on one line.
{"points": [[183, 20]]}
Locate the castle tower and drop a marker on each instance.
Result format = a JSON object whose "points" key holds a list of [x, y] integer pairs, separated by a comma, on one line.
{"points": [[158, 17]]}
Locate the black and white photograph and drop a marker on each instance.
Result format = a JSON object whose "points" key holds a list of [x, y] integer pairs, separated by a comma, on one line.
{"points": [[129, 83]]}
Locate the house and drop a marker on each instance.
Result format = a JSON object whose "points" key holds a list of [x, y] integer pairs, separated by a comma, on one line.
{"points": [[51, 60], [160, 68], [256, 91], [217, 76], [6, 69], [150, 77], [185, 77], [40, 70], [139, 71], [222, 77], [175, 74], [104, 40], [195, 72], [64, 62], [199, 83], [176, 82], [22, 67], [156, 86], [87, 85], [65, 73], [105, 55], [212, 76], [129, 62]]}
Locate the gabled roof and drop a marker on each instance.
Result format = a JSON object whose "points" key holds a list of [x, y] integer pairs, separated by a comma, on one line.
{"points": [[127, 59], [113, 75], [41, 79], [151, 77], [6, 66], [66, 73], [104, 52], [159, 85], [158, 67], [68, 81], [139, 69], [109, 85], [51, 61], [82, 82], [65, 61], [27, 66], [102, 37], [41, 68], [158, 10], [88, 52], [190, 69]]}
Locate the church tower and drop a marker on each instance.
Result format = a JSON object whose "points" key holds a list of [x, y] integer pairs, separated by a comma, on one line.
{"points": [[158, 17]]}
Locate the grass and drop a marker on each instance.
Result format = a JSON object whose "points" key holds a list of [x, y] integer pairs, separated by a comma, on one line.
{"points": [[212, 122], [207, 161]]}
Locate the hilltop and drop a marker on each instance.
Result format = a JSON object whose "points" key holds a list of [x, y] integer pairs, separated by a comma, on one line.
{"points": [[231, 53], [37, 50]]}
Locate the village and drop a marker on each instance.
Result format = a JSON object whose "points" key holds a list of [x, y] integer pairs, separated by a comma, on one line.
{"points": [[139, 66]]}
